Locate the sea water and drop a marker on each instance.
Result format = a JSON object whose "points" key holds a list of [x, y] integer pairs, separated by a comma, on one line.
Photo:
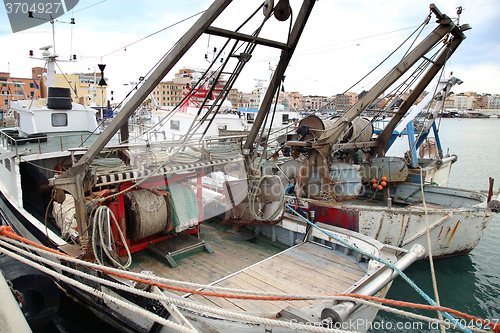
{"points": [[469, 283]]}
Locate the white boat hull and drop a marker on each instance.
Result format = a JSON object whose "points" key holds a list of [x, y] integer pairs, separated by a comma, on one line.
{"points": [[453, 231]]}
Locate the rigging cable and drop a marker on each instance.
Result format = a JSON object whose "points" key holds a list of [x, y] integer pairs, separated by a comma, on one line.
{"points": [[154, 33], [421, 27]]}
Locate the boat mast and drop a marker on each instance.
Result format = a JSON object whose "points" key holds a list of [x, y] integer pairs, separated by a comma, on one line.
{"points": [[446, 26], [286, 55], [78, 179], [437, 65]]}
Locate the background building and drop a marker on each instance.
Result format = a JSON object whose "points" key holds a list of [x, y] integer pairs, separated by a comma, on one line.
{"points": [[85, 88], [14, 88]]}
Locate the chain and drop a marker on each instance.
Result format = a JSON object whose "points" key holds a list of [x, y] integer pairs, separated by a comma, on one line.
{"points": [[17, 294]]}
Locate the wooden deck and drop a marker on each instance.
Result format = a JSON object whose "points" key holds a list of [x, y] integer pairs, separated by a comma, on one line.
{"points": [[258, 264], [307, 269], [231, 254]]}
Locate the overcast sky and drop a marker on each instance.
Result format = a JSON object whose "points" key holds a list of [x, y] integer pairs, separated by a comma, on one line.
{"points": [[343, 40]]}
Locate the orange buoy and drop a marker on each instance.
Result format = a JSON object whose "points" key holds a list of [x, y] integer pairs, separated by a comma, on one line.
{"points": [[383, 183], [384, 179], [374, 180], [380, 187], [374, 185]]}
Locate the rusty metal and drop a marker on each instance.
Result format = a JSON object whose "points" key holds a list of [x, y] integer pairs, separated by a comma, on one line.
{"points": [[490, 190], [336, 215], [394, 168]]}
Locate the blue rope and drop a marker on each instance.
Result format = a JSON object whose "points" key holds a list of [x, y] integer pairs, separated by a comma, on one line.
{"points": [[404, 276]]}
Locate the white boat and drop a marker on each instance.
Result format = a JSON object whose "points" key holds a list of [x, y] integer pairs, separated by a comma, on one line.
{"points": [[203, 113]]}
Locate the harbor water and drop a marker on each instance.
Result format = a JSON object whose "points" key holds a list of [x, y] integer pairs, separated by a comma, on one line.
{"points": [[469, 283]]}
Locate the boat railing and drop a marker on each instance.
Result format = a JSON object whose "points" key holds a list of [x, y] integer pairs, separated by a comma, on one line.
{"points": [[39, 144]]}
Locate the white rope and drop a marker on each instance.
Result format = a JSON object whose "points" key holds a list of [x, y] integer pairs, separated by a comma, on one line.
{"points": [[431, 261], [173, 310], [182, 284], [206, 308], [98, 222], [252, 197], [129, 306], [165, 298], [181, 303]]}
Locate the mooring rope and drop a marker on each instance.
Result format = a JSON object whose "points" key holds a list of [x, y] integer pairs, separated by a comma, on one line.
{"points": [[363, 299], [385, 262]]}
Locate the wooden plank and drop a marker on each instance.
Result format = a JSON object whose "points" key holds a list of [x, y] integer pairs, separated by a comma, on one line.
{"points": [[278, 277], [201, 299], [331, 285], [324, 266], [250, 305], [242, 281], [330, 255], [259, 284], [220, 302]]}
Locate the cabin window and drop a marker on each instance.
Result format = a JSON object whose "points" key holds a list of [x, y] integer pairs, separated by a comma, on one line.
{"points": [[175, 124], [250, 117], [7, 164], [285, 119], [59, 119], [222, 127]]}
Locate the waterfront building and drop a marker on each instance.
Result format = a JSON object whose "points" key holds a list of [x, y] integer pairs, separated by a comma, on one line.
{"points": [[15, 88], [85, 88], [315, 102]]}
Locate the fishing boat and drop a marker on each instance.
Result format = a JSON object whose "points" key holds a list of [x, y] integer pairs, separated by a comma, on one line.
{"points": [[344, 175], [120, 224], [175, 122], [416, 127]]}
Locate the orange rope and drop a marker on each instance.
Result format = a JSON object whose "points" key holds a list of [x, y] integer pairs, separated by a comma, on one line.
{"points": [[7, 231], [494, 327]]}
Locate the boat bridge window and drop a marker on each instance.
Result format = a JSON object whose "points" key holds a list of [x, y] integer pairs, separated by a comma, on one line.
{"points": [[285, 118], [222, 126], [7, 164], [250, 117], [175, 124], [59, 119]]}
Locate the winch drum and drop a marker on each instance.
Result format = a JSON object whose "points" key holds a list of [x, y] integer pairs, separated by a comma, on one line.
{"points": [[148, 214]]}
